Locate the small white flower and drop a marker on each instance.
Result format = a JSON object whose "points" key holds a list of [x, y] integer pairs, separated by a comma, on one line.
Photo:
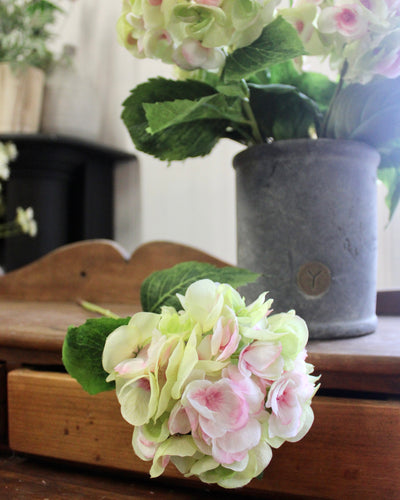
{"points": [[8, 152], [11, 150], [4, 170], [25, 219]]}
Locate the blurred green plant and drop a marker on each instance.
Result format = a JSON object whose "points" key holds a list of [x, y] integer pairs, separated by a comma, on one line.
{"points": [[26, 31]]}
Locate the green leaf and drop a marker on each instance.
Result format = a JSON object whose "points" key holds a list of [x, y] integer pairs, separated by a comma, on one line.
{"points": [[161, 287], [234, 89], [200, 75], [316, 86], [42, 6], [162, 115], [283, 112], [177, 142], [389, 175], [369, 113], [277, 43], [83, 349]]}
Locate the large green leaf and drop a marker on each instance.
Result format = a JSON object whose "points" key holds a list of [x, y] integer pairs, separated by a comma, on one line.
{"points": [[162, 115], [277, 43], [282, 112], [161, 287], [177, 142], [83, 349], [371, 113], [368, 113]]}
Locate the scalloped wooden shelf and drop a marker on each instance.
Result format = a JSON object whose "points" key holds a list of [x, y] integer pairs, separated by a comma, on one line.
{"points": [[96, 270]]}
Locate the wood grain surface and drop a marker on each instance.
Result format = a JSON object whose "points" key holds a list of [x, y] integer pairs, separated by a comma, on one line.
{"points": [[27, 478], [33, 333], [40, 301], [95, 270], [352, 448]]}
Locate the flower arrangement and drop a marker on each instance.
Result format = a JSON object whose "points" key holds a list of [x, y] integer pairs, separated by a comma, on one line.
{"points": [[242, 74], [25, 33], [24, 221], [211, 385]]}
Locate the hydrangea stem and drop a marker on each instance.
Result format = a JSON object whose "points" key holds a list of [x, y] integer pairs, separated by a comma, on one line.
{"points": [[253, 122], [332, 103], [10, 229], [89, 306]]}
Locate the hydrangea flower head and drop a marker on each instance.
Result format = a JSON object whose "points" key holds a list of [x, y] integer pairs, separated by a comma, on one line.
{"points": [[213, 387]]}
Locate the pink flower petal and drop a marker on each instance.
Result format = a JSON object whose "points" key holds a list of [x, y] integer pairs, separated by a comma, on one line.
{"points": [[219, 406], [178, 422], [234, 446]]}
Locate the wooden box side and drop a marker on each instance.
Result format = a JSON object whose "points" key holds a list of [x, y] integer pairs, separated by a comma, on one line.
{"points": [[352, 447]]}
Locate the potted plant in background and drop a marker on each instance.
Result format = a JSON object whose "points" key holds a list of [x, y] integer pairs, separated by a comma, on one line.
{"points": [[25, 56], [23, 222], [308, 227]]}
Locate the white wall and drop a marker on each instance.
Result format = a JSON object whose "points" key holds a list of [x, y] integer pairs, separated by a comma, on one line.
{"points": [[191, 202], [388, 245]]}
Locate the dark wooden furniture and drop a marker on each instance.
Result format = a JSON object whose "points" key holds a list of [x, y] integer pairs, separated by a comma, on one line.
{"points": [[352, 450], [69, 183], [388, 303]]}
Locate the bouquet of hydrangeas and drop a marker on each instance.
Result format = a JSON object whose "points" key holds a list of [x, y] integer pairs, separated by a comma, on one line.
{"points": [[24, 221], [241, 75], [211, 387], [196, 34]]}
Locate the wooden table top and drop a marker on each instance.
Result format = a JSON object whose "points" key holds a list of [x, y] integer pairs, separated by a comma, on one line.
{"points": [[23, 477], [39, 302], [33, 333]]}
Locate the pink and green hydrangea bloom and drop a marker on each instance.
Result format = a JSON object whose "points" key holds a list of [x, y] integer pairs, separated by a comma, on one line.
{"points": [[199, 34], [214, 387]]}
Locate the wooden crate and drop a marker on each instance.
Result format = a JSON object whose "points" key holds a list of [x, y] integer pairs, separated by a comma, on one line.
{"points": [[345, 452], [3, 405]]}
